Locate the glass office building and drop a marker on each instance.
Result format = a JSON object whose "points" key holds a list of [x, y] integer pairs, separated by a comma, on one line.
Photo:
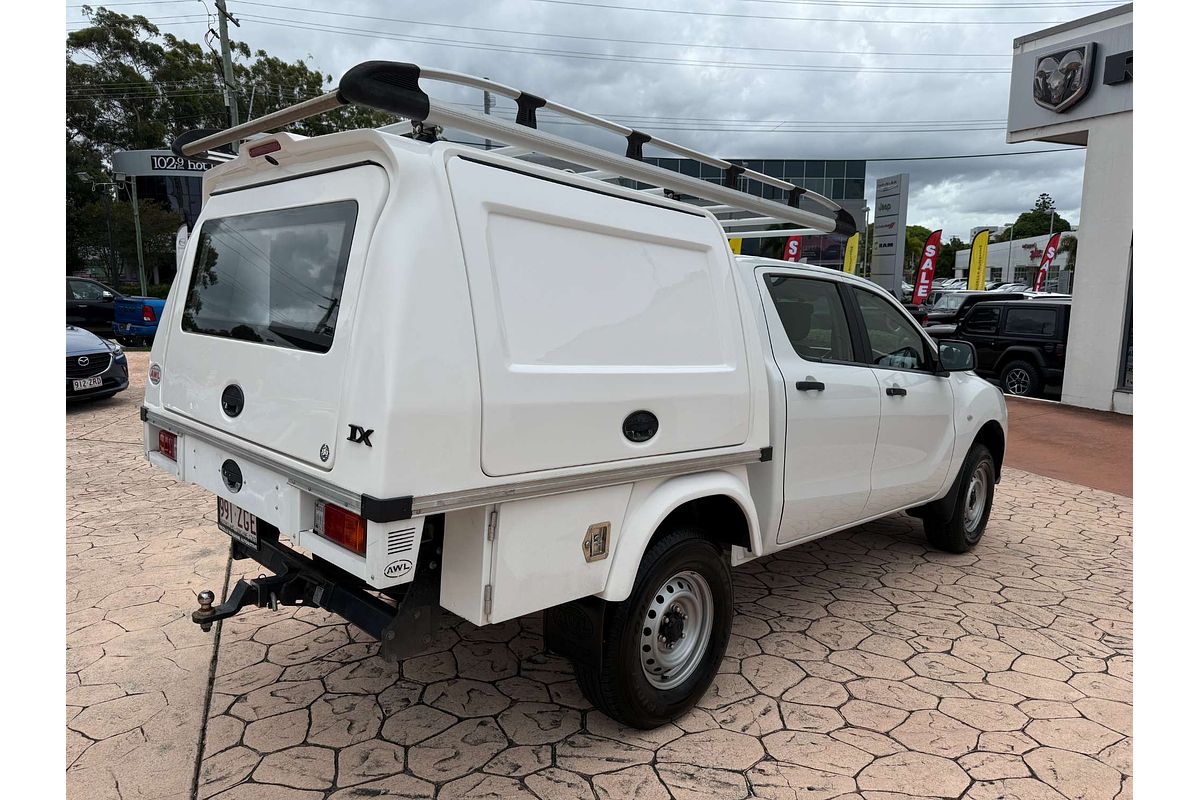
{"points": [[843, 181]]}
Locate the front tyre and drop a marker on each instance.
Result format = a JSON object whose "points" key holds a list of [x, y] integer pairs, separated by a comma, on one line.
{"points": [[966, 524], [664, 644]]}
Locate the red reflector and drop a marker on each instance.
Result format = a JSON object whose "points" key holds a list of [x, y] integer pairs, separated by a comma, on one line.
{"points": [[148, 314], [342, 527], [166, 444], [263, 149]]}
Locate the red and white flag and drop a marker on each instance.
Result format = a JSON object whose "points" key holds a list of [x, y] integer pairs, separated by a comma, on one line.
{"points": [[1047, 256], [929, 255], [791, 250]]}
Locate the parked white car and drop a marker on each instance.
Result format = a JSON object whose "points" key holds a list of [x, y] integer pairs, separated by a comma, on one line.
{"points": [[462, 380]]}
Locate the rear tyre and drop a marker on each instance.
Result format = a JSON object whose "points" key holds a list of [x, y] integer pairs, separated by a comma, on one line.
{"points": [[1022, 379], [977, 486], [664, 644]]}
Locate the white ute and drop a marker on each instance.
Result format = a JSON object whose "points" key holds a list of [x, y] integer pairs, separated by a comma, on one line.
{"points": [[417, 374]]}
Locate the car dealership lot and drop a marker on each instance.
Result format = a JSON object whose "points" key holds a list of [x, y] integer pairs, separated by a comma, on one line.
{"points": [[861, 664]]}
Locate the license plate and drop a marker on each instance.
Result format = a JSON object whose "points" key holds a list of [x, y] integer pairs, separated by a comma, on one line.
{"points": [[87, 383], [237, 522]]}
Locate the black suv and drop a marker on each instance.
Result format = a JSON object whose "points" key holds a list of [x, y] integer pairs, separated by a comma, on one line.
{"points": [[951, 307], [1022, 342]]}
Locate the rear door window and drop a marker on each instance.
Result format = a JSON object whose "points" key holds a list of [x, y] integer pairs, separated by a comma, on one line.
{"points": [[1030, 321], [273, 277], [813, 317]]}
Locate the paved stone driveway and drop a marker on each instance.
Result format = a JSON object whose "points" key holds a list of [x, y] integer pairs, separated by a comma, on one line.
{"points": [[138, 548], [863, 665]]}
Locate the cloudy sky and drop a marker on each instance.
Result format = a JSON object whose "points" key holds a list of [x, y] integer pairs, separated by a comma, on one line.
{"points": [[739, 78]]}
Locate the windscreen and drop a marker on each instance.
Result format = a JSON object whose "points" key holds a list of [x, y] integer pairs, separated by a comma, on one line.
{"points": [[949, 302], [273, 277]]}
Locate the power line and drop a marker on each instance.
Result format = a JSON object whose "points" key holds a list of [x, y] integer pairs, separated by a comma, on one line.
{"points": [[865, 3], [975, 155], [615, 57], [727, 15], [607, 39]]}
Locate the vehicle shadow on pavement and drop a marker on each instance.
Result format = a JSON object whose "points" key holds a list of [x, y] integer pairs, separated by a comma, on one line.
{"points": [[861, 662]]}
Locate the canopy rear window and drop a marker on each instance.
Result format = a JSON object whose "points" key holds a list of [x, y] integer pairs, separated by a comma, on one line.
{"points": [[273, 277]]}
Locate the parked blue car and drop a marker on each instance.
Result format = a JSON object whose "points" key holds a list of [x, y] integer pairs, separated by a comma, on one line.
{"points": [[135, 319], [95, 367]]}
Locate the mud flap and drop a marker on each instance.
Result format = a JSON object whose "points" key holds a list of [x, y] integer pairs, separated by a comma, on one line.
{"points": [[417, 613]]}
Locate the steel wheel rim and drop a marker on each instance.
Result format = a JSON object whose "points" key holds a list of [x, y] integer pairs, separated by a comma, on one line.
{"points": [[1017, 381], [676, 629], [976, 498]]}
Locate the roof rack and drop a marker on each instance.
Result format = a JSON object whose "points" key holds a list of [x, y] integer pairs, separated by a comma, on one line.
{"points": [[395, 87]]}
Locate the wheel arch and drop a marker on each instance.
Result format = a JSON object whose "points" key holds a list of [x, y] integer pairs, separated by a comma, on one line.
{"points": [[1020, 353], [991, 436], [718, 501]]}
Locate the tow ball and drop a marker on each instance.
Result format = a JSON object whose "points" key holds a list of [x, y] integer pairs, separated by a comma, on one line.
{"points": [[205, 614], [265, 591]]}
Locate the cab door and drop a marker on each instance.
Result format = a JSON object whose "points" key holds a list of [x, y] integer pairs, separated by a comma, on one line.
{"points": [[831, 405], [916, 419]]}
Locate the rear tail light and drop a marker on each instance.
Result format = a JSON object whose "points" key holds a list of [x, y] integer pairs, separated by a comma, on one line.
{"points": [[148, 314], [341, 527], [166, 444]]}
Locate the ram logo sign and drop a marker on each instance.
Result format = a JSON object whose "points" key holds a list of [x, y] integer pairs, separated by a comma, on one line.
{"points": [[1062, 79]]}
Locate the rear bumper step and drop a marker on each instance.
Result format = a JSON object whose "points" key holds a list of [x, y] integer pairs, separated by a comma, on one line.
{"points": [[404, 628]]}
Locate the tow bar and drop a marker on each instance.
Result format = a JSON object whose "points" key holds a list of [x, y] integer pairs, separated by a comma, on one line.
{"points": [[404, 628]]}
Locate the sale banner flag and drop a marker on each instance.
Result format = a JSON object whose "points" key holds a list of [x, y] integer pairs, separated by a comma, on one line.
{"points": [[978, 273], [929, 255], [851, 258], [791, 250], [1047, 256]]}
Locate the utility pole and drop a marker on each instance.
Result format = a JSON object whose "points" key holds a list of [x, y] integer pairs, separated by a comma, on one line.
{"points": [[137, 232], [227, 64], [487, 109]]}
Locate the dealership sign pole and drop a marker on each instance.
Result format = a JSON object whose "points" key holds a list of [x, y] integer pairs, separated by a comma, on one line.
{"points": [[929, 255], [1047, 256], [887, 243], [978, 274]]}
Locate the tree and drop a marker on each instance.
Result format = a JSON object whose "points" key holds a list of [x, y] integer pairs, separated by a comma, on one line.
{"points": [[1035, 221], [131, 87], [945, 262]]}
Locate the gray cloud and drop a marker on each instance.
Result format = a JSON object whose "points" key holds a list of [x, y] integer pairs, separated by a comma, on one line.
{"points": [[954, 195]]}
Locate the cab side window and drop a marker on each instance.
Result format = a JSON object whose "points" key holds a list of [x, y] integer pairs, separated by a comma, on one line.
{"points": [[86, 290], [891, 337], [982, 319], [813, 317]]}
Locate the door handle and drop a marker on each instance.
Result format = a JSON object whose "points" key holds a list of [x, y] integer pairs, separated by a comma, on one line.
{"points": [[810, 386], [896, 391]]}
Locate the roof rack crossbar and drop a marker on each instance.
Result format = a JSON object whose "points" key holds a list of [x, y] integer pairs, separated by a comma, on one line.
{"points": [[394, 87], [751, 222], [765, 234]]}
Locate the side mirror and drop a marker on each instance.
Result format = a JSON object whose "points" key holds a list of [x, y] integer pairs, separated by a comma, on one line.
{"points": [[106, 296], [955, 355]]}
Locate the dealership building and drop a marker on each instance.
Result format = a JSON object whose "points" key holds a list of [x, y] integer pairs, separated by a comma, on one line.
{"points": [[1073, 84], [1018, 260], [844, 182]]}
